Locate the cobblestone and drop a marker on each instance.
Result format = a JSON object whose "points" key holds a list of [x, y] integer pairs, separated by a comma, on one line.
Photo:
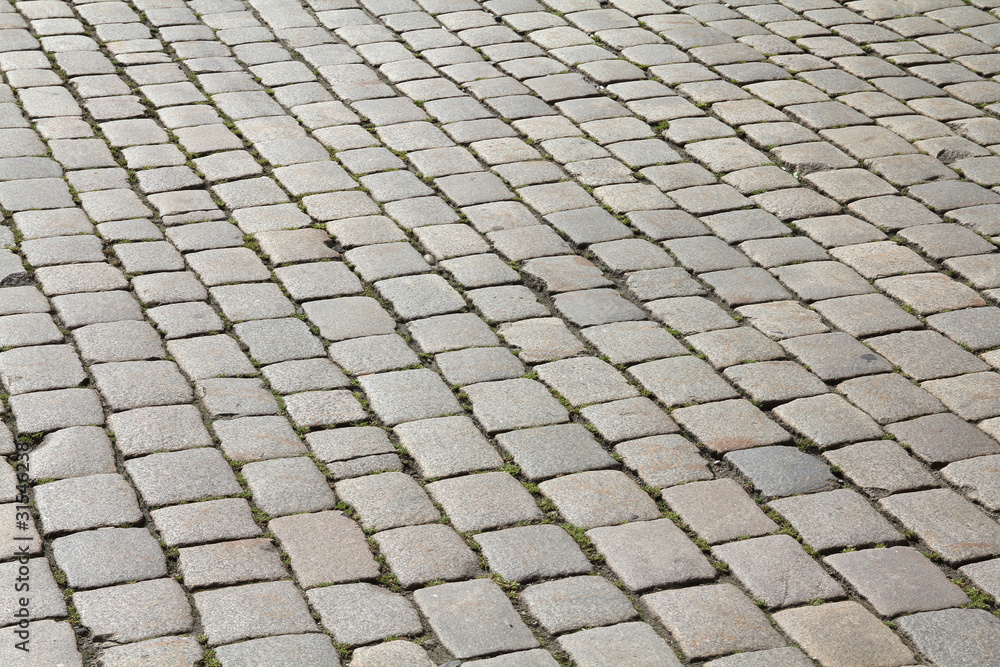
{"points": [[508, 186]]}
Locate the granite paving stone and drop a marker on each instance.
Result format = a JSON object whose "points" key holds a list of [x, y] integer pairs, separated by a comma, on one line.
{"points": [[843, 632], [776, 570], [717, 511], [917, 585], [953, 636], [672, 239], [156, 607], [951, 525], [421, 554], [307, 539], [634, 552], [577, 602], [473, 618], [708, 621]]}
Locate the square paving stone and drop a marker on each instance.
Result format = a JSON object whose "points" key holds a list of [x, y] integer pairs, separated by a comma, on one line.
{"points": [[814, 281], [363, 613], [155, 608], [976, 328], [388, 500], [179, 648], [738, 287], [708, 621], [318, 280], [730, 425], [464, 500], [43, 411], [532, 552], [174, 477], [325, 548], [585, 380], [775, 381], [273, 341], [404, 396], [310, 409], [598, 306], [178, 320], [880, 468], [843, 633], [45, 600], [783, 471], [240, 303], [662, 461], [972, 396], [451, 332], [554, 450], [629, 342], [267, 609], [783, 319], [227, 265], [778, 571], [393, 652], [788, 656], [599, 498], [889, 398], [828, 420], [943, 438], [230, 563], [281, 650], [208, 356], [866, 314], [977, 479], [420, 554], [951, 526], [954, 636], [925, 355], [634, 552], [916, 583], [577, 602], [194, 523], [473, 618], [287, 486], [835, 356], [541, 339], [118, 341], [40, 368], [386, 260], [718, 511], [349, 317], [70, 452], [626, 643], [628, 419], [420, 296], [86, 502], [148, 430], [484, 364], [138, 384], [733, 346], [835, 520], [506, 303], [447, 446], [930, 293], [513, 404], [681, 380], [349, 442], [690, 314]]}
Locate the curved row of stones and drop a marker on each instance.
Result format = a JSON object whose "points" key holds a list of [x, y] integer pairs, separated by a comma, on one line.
{"points": [[559, 223]]}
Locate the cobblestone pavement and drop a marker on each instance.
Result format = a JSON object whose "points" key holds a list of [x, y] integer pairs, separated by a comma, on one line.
{"points": [[394, 332]]}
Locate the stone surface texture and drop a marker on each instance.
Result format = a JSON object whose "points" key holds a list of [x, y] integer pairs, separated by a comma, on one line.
{"points": [[521, 332]]}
